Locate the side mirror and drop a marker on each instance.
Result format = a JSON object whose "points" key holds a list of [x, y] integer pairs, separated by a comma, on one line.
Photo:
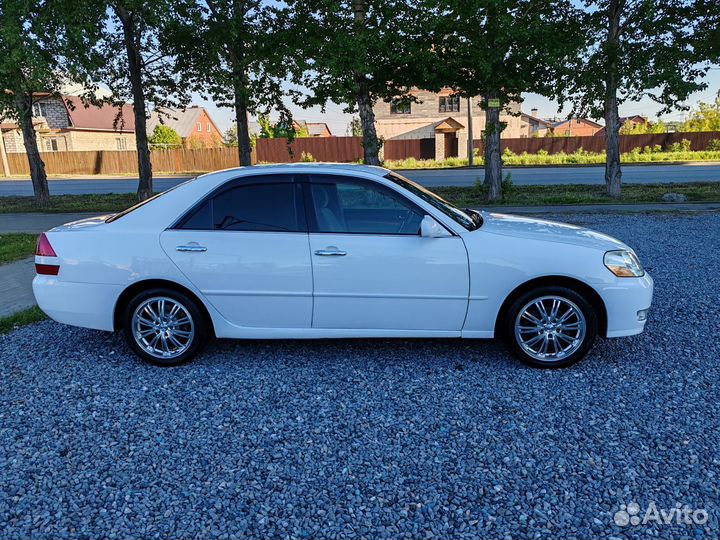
{"points": [[429, 228]]}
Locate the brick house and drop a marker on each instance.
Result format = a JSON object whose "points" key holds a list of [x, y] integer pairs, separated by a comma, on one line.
{"points": [[576, 127], [314, 129], [531, 125], [64, 124], [629, 122], [193, 124], [440, 116]]}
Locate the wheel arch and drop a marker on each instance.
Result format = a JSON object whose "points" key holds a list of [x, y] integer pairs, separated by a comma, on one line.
{"points": [[582, 288], [147, 284]]}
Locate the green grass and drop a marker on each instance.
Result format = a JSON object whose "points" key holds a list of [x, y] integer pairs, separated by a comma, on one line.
{"points": [[22, 318], [112, 202], [638, 155], [16, 246], [579, 194]]}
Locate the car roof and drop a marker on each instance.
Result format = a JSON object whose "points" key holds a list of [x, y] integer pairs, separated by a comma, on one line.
{"points": [[307, 167]]}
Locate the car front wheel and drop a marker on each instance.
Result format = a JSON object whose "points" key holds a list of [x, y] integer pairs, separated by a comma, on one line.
{"points": [[550, 327], [164, 327]]}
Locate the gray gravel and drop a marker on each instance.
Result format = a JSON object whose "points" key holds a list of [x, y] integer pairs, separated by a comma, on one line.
{"points": [[375, 438]]}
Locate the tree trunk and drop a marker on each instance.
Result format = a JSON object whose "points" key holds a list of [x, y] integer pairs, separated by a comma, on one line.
{"points": [[613, 174], [243, 128], [37, 166], [132, 46], [371, 145], [493, 160]]}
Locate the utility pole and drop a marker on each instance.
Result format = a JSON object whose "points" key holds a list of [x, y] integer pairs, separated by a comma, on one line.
{"points": [[471, 149], [3, 156]]}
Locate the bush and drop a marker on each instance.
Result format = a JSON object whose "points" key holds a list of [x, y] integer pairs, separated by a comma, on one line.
{"points": [[682, 146], [714, 145], [307, 157]]}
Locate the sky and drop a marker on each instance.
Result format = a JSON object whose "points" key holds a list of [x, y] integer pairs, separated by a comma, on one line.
{"points": [[338, 121]]}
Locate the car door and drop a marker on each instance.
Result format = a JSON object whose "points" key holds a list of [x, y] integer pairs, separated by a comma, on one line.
{"points": [[371, 268], [246, 249]]}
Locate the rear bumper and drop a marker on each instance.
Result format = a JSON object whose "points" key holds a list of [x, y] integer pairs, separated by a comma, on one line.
{"points": [[624, 299], [80, 304]]}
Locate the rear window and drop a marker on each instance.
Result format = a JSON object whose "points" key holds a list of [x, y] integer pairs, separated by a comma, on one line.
{"points": [[117, 216]]}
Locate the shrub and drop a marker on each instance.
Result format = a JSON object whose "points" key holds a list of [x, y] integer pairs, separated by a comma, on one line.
{"points": [[682, 146], [307, 157], [714, 145], [507, 153]]}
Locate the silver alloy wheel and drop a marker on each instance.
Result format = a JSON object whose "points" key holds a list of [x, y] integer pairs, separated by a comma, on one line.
{"points": [[550, 328], [163, 327]]}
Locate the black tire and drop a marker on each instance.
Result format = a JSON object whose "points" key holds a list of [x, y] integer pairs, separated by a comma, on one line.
{"points": [[569, 295], [199, 327]]}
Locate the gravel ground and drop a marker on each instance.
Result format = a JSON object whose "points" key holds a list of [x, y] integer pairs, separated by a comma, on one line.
{"points": [[375, 438]]}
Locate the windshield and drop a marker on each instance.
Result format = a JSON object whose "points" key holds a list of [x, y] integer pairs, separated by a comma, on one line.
{"points": [[465, 219]]}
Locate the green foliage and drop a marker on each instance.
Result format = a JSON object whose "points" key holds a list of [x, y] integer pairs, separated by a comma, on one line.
{"points": [[682, 146], [164, 137], [355, 127], [307, 157], [630, 128], [231, 136], [283, 128], [714, 145], [705, 118]]}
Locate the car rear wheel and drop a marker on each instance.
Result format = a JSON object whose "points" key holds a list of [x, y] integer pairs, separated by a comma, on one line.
{"points": [[164, 327], [550, 327]]}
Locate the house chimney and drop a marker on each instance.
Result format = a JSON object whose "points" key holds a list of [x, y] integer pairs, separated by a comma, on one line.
{"points": [[534, 112]]}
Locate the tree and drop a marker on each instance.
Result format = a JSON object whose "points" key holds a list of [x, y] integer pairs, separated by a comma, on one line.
{"points": [[231, 136], [139, 50], [355, 127], [642, 128], [281, 129], [164, 137], [639, 48], [705, 118], [498, 49], [239, 58], [707, 30], [355, 53], [35, 37]]}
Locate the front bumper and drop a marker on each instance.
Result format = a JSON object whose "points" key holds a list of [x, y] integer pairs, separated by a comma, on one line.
{"points": [[625, 300], [89, 305]]}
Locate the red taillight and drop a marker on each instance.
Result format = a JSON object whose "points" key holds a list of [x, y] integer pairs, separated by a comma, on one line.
{"points": [[44, 249]]}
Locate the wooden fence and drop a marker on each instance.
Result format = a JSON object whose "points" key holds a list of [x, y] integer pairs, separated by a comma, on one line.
{"points": [[596, 143], [338, 149], [342, 149]]}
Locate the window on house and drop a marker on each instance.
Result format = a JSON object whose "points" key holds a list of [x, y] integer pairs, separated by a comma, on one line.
{"points": [[39, 108], [51, 145], [208, 127], [121, 143], [199, 126], [449, 104], [400, 106], [577, 121]]}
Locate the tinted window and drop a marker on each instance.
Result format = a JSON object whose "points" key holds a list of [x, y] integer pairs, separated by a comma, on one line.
{"points": [[346, 206], [257, 207]]}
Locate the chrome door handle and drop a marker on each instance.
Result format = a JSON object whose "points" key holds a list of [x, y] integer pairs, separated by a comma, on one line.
{"points": [[330, 253], [191, 248]]}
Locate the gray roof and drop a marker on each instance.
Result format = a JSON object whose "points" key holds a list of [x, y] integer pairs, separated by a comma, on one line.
{"points": [[181, 120]]}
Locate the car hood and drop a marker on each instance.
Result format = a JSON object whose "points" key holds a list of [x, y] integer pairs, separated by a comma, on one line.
{"points": [[83, 223], [547, 231]]}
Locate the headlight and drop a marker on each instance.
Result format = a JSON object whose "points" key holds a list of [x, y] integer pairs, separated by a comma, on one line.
{"points": [[623, 263]]}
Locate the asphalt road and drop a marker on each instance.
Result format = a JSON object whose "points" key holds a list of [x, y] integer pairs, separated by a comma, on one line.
{"points": [[646, 174]]}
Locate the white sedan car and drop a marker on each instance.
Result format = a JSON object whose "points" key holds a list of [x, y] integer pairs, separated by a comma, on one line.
{"points": [[335, 251]]}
